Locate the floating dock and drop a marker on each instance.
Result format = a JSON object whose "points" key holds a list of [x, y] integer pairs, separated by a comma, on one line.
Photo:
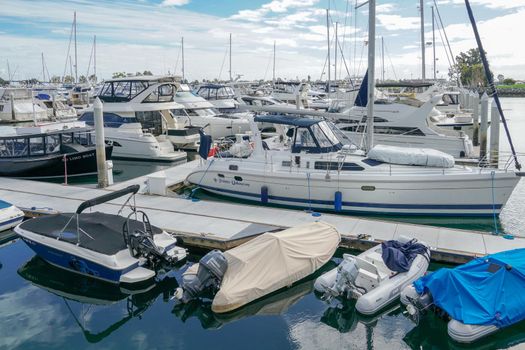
{"points": [[209, 224]]}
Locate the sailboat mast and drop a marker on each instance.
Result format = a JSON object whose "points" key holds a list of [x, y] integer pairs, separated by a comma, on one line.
{"points": [[328, 46], [43, 69], [335, 53], [382, 59], [76, 57], [95, 57], [8, 72], [371, 73], [434, 43], [273, 77], [422, 11], [182, 48], [231, 57]]}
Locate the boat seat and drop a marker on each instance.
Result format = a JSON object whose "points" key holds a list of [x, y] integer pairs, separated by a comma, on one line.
{"points": [[376, 259]]}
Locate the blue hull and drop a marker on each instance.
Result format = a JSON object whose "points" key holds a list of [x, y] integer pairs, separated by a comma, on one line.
{"points": [[76, 264]]}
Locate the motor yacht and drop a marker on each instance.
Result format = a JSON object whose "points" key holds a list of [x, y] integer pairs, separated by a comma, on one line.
{"points": [[17, 106]]}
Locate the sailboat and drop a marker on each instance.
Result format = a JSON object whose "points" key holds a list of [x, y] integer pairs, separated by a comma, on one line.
{"points": [[311, 165]]}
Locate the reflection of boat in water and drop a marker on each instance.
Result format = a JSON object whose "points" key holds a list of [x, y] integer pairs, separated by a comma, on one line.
{"points": [[95, 296], [273, 304]]}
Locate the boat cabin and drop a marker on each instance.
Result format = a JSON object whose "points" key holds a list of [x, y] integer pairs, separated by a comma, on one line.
{"points": [[216, 92], [47, 143], [308, 135]]}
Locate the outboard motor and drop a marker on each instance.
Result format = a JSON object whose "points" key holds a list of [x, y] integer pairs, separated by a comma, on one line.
{"points": [[344, 284], [416, 304], [212, 268]]}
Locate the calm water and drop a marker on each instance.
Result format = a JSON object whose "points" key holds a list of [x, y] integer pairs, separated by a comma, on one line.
{"points": [[44, 307]]}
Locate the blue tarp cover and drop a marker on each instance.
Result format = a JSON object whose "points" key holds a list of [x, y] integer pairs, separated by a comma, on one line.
{"points": [[4, 205], [486, 291]]}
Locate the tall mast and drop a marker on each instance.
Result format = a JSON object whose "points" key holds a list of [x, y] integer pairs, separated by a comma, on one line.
{"points": [[421, 8], [328, 45], [95, 57], [8, 72], [231, 57], [43, 69], [371, 73], [273, 77], [75, 32], [433, 43], [182, 47], [335, 53], [382, 59]]}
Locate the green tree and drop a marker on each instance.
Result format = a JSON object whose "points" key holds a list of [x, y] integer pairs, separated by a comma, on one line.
{"points": [[470, 69], [56, 79], [3, 82], [147, 72], [82, 79], [119, 75], [509, 81], [138, 74], [69, 79], [92, 78]]}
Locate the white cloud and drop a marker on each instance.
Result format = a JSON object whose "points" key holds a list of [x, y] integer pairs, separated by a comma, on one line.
{"points": [[397, 22], [491, 4], [174, 2]]}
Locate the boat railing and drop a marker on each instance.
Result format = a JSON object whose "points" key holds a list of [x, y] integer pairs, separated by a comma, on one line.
{"points": [[502, 160]]}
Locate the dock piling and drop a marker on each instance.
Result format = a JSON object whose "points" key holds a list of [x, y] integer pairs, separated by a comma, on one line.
{"points": [[475, 119], [100, 143], [494, 134], [483, 126]]}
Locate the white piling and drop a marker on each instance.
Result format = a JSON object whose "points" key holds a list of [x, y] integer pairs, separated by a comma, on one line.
{"points": [[494, 134], [475, 119], [483, 126], [101, 145]]}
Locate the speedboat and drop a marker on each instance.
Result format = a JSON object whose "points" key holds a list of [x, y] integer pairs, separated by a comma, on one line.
{"points": [[55, 104], [10, 216], [114, 248], [311, 165], [479, 298], [376, 277], [259, 267], [49, 151]]}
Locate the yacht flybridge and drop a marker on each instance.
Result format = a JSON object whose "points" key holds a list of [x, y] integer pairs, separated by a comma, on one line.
{"points": [[311, 165], [138, 121]]}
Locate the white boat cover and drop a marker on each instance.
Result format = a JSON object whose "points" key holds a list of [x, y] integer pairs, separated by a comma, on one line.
{"points": [[272, 261], [411, 156]]}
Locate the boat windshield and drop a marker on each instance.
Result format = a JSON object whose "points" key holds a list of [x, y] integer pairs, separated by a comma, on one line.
{"points": [[216, 92], [121, 91], [317, 138]]}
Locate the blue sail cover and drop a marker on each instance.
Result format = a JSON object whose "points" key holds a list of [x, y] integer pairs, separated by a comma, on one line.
{"points": [[485, 291], [361, 99]]}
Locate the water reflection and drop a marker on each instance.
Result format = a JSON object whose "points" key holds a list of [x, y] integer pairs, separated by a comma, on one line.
{"points": [[87, 298]]}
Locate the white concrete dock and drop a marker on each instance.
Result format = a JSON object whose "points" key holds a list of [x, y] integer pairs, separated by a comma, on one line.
{"points": [[211, 224]]}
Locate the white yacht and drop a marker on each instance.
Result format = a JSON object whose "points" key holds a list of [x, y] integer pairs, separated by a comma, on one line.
{"points": [[309, 166], [202, 113], [17, 106], [55, 104], [138, 120]]}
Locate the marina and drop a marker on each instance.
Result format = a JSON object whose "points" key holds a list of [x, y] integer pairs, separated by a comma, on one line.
{"points": [[185, 206]]}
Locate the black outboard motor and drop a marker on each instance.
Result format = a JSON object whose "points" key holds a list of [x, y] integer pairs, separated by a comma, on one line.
{"points": [[212, 268]]}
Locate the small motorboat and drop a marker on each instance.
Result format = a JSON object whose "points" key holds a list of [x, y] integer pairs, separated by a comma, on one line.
{"points": [[479, 297], [110, 247], [10, 216], [263, 265], [376, 277]]}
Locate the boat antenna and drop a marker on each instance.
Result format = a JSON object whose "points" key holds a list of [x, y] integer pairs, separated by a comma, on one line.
{"points": [[491, 87]]}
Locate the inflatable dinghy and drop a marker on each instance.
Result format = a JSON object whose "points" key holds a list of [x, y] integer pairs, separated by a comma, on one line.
{"points": [[376, 277], [261, 266], [480, 297]]}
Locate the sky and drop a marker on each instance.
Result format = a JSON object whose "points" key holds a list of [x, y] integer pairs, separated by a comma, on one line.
{"points": [[143, 35]]}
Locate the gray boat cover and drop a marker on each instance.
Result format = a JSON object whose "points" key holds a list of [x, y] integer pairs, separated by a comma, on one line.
{"points": [[272, 261]]}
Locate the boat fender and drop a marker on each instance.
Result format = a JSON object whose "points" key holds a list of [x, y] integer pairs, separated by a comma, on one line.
{"points": [[264, 194], [338, 201]]}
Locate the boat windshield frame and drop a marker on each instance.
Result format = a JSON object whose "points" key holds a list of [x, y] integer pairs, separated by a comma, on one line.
{"points": [[110, 90]]}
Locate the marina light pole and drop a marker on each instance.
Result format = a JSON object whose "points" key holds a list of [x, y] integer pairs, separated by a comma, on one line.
{"points": [[422, 12]]}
